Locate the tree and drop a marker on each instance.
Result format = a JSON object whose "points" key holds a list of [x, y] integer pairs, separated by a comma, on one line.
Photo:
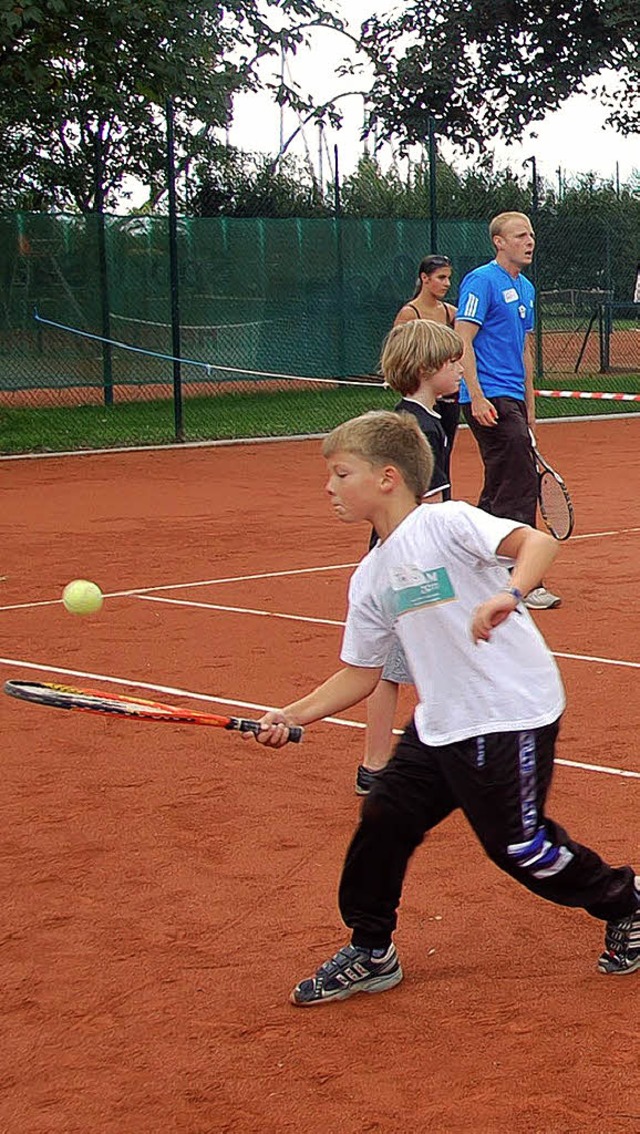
{"points": [[84, 84], [472, 195], [368, 192], [492, 67], [236, 184]]}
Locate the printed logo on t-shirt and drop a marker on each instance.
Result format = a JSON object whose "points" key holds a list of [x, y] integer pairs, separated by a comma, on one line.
{"points": [[510, 295], [408, 575], [412, 588]]}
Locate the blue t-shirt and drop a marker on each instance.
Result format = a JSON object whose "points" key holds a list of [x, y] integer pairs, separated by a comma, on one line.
{"points": [[503, 309]]}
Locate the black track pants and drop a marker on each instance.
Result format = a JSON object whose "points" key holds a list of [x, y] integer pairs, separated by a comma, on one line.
{"points": [[500, 781]]}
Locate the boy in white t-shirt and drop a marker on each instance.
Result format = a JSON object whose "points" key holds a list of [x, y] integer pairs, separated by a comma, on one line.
{"points": [[490, 699]]}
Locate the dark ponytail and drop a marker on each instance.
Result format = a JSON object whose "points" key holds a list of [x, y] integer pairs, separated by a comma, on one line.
{"points": [[427, 266]]}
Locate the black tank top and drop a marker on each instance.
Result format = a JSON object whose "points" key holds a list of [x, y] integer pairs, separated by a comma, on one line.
{"points": [[449, 319]]}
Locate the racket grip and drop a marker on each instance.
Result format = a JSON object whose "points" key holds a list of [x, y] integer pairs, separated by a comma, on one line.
{"points": [[295, 731]]}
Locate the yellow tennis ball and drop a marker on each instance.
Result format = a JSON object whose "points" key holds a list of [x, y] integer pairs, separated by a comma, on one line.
{"points": [[82, 597]]}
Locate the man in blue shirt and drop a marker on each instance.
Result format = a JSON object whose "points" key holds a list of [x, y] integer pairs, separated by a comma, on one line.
{"points": [[495, 319]]}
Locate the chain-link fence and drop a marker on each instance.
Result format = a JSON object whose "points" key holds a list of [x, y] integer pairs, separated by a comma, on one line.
{"points": [[280, 321]]}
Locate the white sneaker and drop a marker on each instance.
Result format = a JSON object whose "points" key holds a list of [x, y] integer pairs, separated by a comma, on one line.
{"points": [[542, 599]]}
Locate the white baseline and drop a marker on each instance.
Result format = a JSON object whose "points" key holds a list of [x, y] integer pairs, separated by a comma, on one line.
{"points": [[19, 663]]}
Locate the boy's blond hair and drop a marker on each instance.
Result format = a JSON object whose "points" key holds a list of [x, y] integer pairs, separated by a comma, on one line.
{"points": [[381, 437], [499, 223], [413, 352]]}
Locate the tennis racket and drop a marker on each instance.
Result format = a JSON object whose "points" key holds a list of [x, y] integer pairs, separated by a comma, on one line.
{"points": [[553, 497], [119, 705]]}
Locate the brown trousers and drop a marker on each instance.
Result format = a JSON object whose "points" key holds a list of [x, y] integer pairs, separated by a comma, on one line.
{"points": [[510, 486]]}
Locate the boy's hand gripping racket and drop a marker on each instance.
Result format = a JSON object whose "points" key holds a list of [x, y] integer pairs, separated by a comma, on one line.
{"points": [[553, 497], [134, 708]]}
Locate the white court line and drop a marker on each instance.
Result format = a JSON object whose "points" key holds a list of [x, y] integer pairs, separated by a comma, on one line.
{"points": [[134, 683], [146, 597], [239, 578], [576, 419], [242, 610], [246, 578], [333, 622], [593, 658], [177, 692], [601, 535], [136, 591], [222, 443]]}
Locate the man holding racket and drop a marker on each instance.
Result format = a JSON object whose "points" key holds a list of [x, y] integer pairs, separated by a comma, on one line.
{"points": [[490, 699], [495, 319]]}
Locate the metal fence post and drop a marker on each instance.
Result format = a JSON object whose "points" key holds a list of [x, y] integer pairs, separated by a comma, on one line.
{"points": [[535, 209], [107, 359], [433, 214], [174, 283]]}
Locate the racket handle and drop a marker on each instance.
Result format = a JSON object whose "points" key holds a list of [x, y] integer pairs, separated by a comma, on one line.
{"points": [[241, 725]]}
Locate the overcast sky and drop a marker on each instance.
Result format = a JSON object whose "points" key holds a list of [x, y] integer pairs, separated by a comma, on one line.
{"points": [[572, 139]]}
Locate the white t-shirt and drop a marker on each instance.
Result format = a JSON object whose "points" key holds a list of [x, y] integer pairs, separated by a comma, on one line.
{"points": [[424, 583]]}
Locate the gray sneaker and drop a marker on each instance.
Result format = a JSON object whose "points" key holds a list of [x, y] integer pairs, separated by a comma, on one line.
{"points": [[352, 969], [542, 599], [622, 943]]}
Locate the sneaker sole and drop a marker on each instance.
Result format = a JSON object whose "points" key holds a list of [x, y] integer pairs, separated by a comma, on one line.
{"points": [[376, 984], [632, 968]]}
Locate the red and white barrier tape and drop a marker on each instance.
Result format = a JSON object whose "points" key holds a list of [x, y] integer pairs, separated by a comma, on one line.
{"points": [[585, 394]]}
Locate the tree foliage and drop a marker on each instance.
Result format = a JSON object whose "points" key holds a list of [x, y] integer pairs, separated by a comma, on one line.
{"points": [[473, 194], [84, 84], [492, 67], [236, 184]]}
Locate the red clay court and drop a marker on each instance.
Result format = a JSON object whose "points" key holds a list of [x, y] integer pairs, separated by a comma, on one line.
{"points": [[164, 887]]}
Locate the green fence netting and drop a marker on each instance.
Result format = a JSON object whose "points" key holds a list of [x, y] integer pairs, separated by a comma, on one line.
{"points": [[273, 314]]}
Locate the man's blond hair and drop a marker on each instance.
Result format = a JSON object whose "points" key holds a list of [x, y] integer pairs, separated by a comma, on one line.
{"points": [[499, 223], [381, 437], [417, 350]]}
